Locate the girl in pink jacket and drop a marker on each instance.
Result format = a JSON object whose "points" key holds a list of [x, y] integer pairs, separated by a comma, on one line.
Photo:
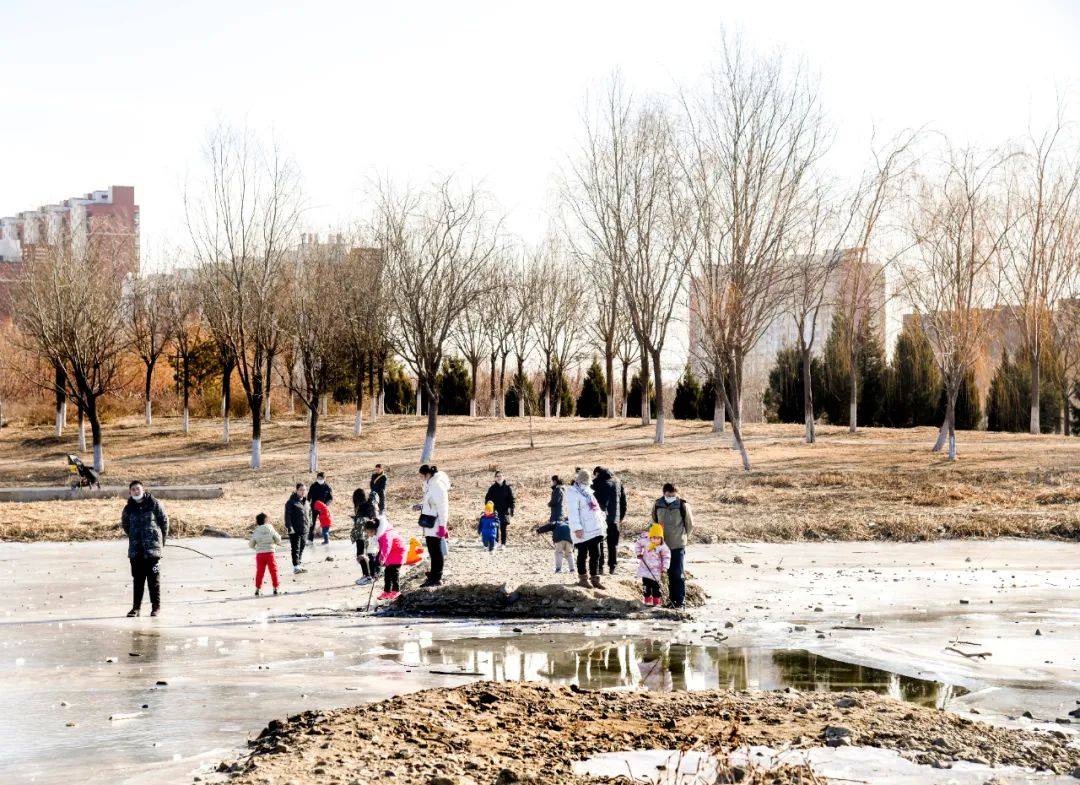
{"points": [[654, 557], [392, 556]]}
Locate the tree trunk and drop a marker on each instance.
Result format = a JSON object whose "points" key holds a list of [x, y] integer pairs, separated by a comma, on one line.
{"points": [[736, 430], [324, 404], [357, 424], [82, 430], [95, 435], [256, 423], [432, 424], [313, 438], [659, 397], [226, 399], [186, 383], [61, 402], [266, 384], [646, 419], [1034, 426], [502, 386], [372, 389], [943, 433], [807, 397], [718, 403], [950, 419], [853, 402], [547, 389], [146, 394], [609, 367], [419, 400]]}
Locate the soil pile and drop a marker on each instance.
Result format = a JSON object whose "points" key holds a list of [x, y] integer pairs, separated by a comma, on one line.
{"points": [[523, 732]]}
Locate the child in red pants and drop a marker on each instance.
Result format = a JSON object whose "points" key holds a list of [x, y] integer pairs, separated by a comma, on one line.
{"points": [[263, 540], [322, 512]]}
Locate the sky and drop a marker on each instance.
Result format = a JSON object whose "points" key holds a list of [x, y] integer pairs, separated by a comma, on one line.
{"points": [[103, 93]]}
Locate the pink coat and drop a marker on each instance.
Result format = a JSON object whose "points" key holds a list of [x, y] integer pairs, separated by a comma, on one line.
{"points": [[651, 563], [391, 548]]}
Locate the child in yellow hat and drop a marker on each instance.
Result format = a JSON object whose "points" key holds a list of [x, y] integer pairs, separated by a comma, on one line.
{"points": [[654, 558], [488, 526]]}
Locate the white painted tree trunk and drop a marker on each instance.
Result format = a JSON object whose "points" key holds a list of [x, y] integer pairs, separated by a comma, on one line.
{"points": [[943, 432], [187, 421], [59, 423], [429, 448], [358, 425], [625, 408], [659, 427], [313, 456], [256, 453], [718, 417], [853, 417], [63, 415], [225, 428], [1035, 427], [382, 402], [149, 413], [494, 407], [472, 407], [324, 404], [520, 407], [419, 401], [99, 458], [82, 436], [224, 411], [547, 404], [374, 409], [558, 407], [808, 429]]}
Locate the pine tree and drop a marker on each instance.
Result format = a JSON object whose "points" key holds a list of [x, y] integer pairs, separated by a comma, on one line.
{"points": [[633, 398], [560, 391], [707, 399], [968, 409], [400, 394], [455, 387], [784, 395], [836, 378], [520, 382], [593, 399], [914, 388], [1010, 389], [687, 401]]}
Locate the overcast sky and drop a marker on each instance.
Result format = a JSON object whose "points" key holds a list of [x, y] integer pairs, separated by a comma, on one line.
{"points": [[95, 94]]}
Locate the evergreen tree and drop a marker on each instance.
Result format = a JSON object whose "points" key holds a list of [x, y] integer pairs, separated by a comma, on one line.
{"points": [[836, 378], [784, 395], [633, 398], [1074, 416], [1010, 388], [593, 399], [455, 387], [400, 394], [520, 382], [687, 401], [968, 409], [707, 399], [560, 390], [914, 389]]}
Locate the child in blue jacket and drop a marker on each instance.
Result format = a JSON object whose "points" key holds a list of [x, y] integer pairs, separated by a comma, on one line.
{"points": [[488, 527]]}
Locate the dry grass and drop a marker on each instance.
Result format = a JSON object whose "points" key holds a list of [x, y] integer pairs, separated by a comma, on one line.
{"points": [[883, 484]]}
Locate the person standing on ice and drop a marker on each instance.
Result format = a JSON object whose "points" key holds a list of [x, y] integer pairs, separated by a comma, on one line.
{"points": [[673, 513], [147, 527], [434, 518], [611, 496], [502, 496], [320, 491], [263, 539], [587, 522], [297, 521]]}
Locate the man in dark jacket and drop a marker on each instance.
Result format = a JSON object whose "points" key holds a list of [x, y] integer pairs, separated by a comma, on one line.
{"points": [[297, 521], [146, 526], [611, 496], [378, 485], [502, 496], [320, 491]]}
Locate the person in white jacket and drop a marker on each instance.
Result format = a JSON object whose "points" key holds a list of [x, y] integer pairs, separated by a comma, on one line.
{"points": [[587, 526], [434, 518], [263, 539]]}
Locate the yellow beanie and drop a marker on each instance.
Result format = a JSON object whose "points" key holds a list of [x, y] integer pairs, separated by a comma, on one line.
{"points": [[656, 530], [489, 507]]}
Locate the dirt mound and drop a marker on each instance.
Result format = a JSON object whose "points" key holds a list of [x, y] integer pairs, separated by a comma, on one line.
{"points": [[522, 732], [618, 599]]}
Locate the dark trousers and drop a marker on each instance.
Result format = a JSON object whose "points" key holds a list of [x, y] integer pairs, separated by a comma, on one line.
{"points": [[489, 542], [296, 546], [677, 577], [390, 577], [434, 549], [650, 587], [145, 571], [311, 532], [504, 522], [612, 540], [590, 551]]}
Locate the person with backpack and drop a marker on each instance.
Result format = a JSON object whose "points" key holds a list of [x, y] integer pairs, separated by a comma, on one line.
{"points": [[501, 494], [147, 527], [587, 527], [297, 520], [611, 497], [673, 513]]}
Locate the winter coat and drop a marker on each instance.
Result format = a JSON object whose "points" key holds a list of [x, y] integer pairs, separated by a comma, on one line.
{"points": [[676, 520], [437, 503], [488, 527], [264, 538], [321, 510], [557, 503], [378, 485], [610, 495], [365, 509], [146, 525], [320, 492], [297, 515], [652, 563], [560, 531], [391, 548], [585, 516], [501, 494]]}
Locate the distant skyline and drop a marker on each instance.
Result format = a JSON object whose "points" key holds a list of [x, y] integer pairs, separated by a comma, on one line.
{"points": [[123, 92]]}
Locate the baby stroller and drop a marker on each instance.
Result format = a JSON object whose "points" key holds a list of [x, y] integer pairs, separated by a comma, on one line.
{"points": [[81, 475]]}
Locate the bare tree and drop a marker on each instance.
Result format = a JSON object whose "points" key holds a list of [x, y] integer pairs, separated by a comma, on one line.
{"points": [[438, 245], [365, 304], [628, 352], [14, 380], [312, 326], [756, 135], [603, 324], [523, 321], [242, 218], [1065, 328], [499, 322], [471, 340], [559, 316], [1040, 265], [69, 309], [185, 317], [149, 328], [959, 230]]}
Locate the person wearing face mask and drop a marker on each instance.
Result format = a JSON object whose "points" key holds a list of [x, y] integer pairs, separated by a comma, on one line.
{"points": [[147, 526], [673, 513], [320, 491]]}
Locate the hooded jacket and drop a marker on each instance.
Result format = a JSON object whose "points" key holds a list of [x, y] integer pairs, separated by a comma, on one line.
{"points": [[652, 562], [391, 548], [488, 526], [502, 496], [323, 512], [584, 513], [297, 515], [557, 503], [437, 502], [676, 520], [146, 526], [264, 538], [610, 495]]}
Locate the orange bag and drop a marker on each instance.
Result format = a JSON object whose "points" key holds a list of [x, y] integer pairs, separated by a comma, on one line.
{"points": [[415, 553]]}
